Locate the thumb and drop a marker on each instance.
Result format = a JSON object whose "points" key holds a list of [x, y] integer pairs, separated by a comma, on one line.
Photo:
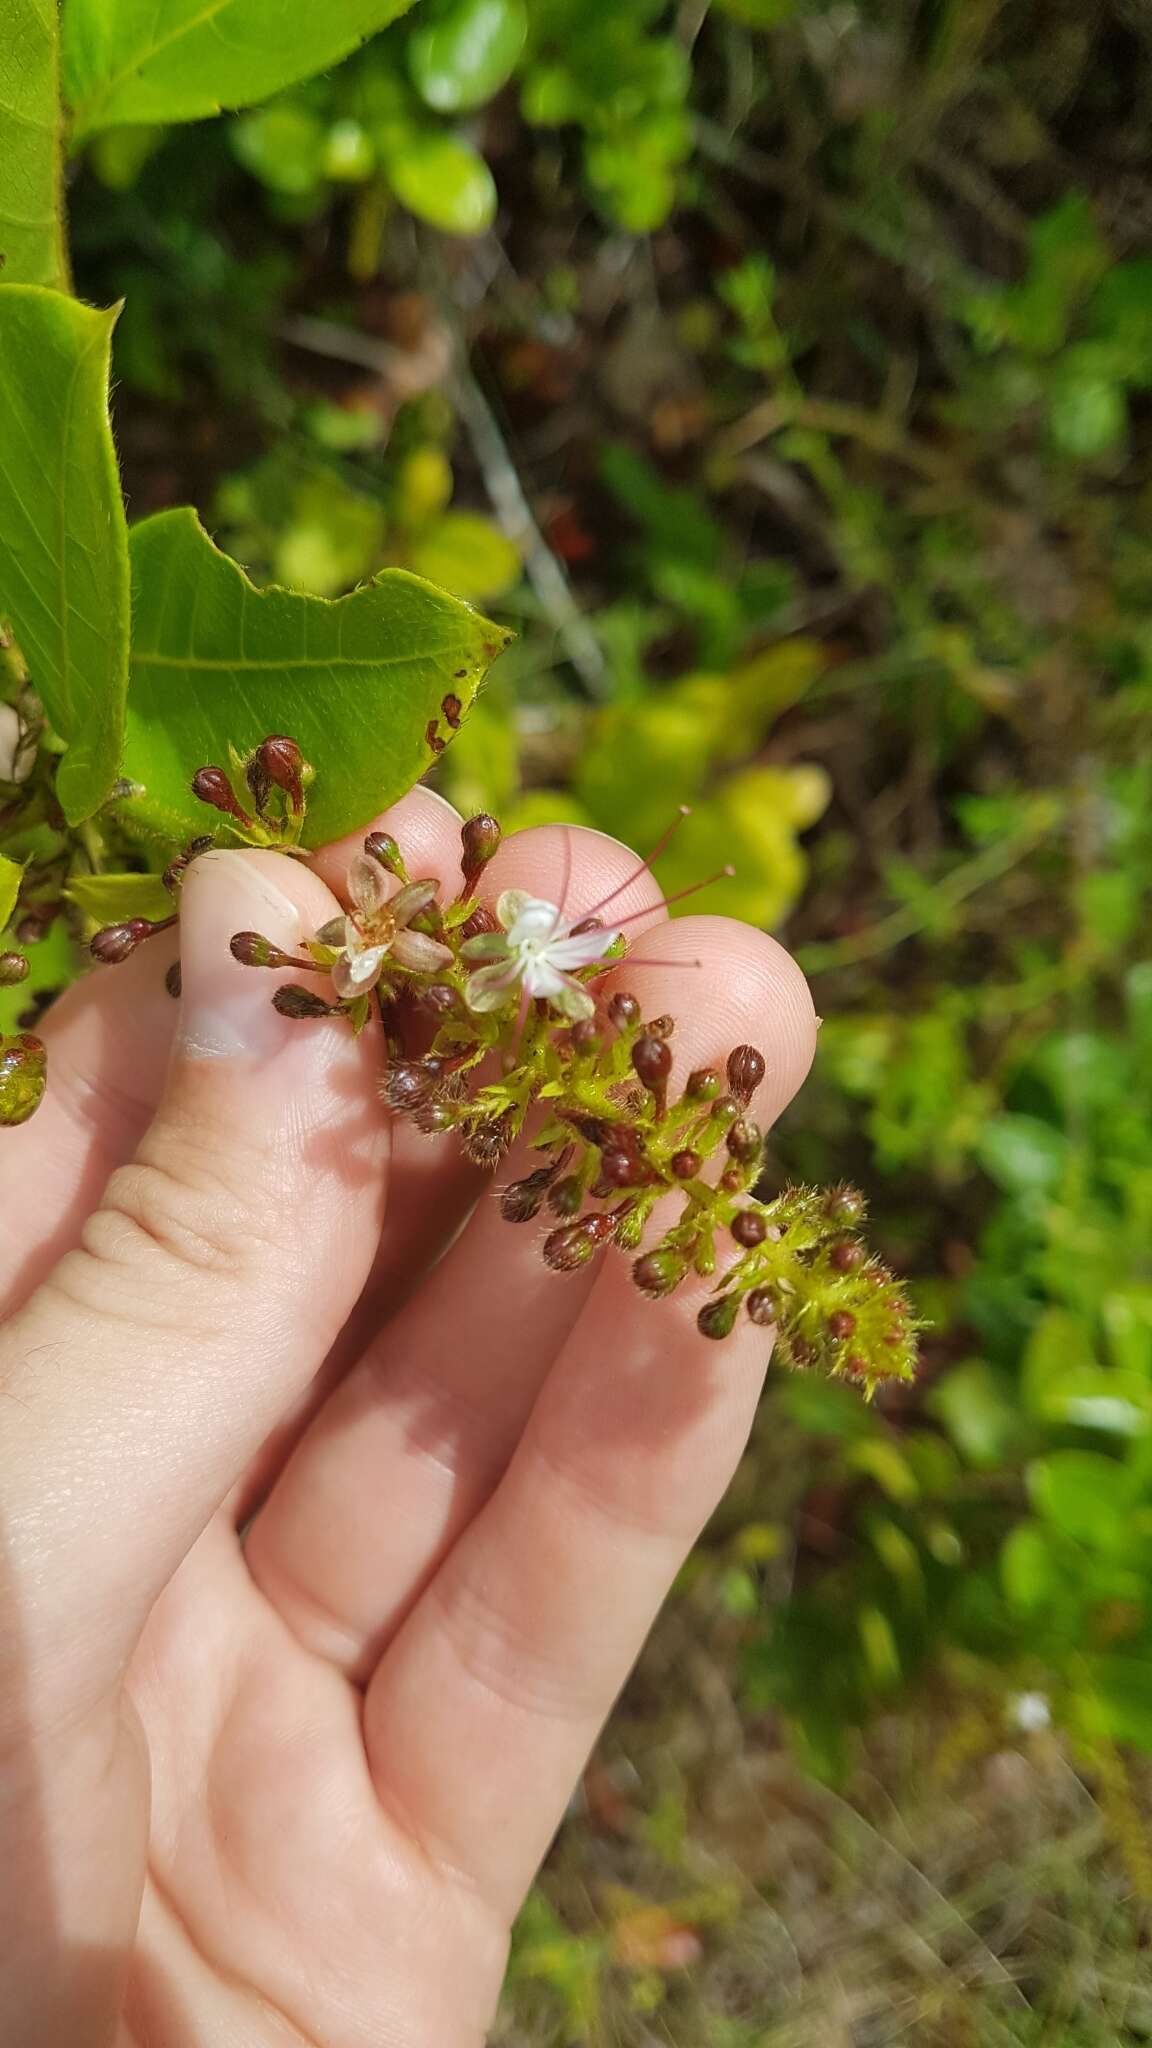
{"points": [[207, 1287]]}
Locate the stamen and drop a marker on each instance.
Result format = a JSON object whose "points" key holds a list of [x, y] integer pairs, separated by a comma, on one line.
{"points": [[724, 874], [683, 812]]}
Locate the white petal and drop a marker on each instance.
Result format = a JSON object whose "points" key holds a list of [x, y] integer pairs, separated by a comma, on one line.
{"points": [[581, 950], [490, 987], [574, 1001], [540, 978], [367, 884], [535, 921], [486, 946], [422, 954], [355, 973]]}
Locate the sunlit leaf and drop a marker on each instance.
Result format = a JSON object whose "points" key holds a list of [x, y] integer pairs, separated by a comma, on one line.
{"points": [[110, 899], [11, 875], [461, 54], [31, 235], [443, 180], [177, 60], [63, 539], [467, 554], [361, 681]]}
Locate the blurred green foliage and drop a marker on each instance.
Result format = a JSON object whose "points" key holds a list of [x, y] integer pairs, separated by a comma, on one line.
{"points": [[780, 370]]}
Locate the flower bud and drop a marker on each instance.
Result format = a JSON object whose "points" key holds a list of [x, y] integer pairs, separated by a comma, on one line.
{"points": [[623, 1011], [841, 1324], [479, 838], [762, 1307], [717, 1316], [432, 1119], [212, 786], [294, 1001], [567, 1197], [661, 1027], [845, 1256], [252, 949], [746, 1070], [571, 1246], [745, 1141], [481, 920], [585, 1035], [23, 1066], [382, 847], [116, 941], [173, 981], [844, 1205], [437, 999], [855, 1367], [13, 969], [630, 1220], [522, 1200], [659, 1272], [621, 1166], [652, 1060], [408, 1084], [174, 873], [486, 1143], [279, 761], [703, 1085], [748, 1228], [685, 1165]]}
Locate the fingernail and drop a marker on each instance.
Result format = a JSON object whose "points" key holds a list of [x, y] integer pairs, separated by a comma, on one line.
{"points": [[225, 1009]]}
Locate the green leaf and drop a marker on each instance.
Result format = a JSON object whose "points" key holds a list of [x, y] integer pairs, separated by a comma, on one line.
{"points": [[31, 233], [1084, 1494], [178, 60], [441, 179], [11, 875], [111, 899], [358, 680], [51, 965], [1023, 1155], [974, 1408], [461, 55], [63, 539], [1029, 1570]]}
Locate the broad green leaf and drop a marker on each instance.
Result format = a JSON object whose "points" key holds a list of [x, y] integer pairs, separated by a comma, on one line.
{"points": [[11, 873], [31, 232], [441, 179], [468, 554], [51, 965], [110, 899], [361, 681], [1085, 1494], [178, 60], [1029, 1569], [63, 539], [460, 54]]}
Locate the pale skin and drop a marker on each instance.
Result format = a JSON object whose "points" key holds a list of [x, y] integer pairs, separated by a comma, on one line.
{"points": [[331, 1522]]}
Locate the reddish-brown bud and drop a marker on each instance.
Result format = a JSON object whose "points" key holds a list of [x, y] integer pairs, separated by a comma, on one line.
{"points": [[479, 839], [279, 761], [748, 1228], [746, 1070], [745, 1141], [717, 1317], [585, 1036], [574, 1244], [855, 1366], [481, 920], [659, 1272], [13, 969], [685, 1165], [382, 847], [252, 949], [212, 786], [173, 981], [486, 1143], [116, 941], [845, 1256], [661, 1027], [294, 1001], [522, 1200], [621, 1166], [762, 1307], [433, 1118], [623, 1011], [703, 1085], [567, 1197], [408, 1084], [652, 1060], [841, 1324], [174, 873], [438, 999]]}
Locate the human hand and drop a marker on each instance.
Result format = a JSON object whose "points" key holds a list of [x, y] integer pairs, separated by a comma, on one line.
{"points": [[332, 1521]]}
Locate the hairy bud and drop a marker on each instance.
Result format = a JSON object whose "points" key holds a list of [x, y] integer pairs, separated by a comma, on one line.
{"points": [[294, 1001], [659, 1272], [845, 1256], [762, 1307], [13, 969], [486, 1143], [621, 1165], [409, 1084], [574, 1244], [652, 1060], [585, 1036], [661, 1027], [279, 762], [623, 1011], [745, 1141], [746, 1070], [116, 941], [717, 1317], [685, 1165], [844, 1205], [703, 1085], [252, 949], [173, 981], [567, 1197], [841, 1324], [481, 920], [522, 1200]]}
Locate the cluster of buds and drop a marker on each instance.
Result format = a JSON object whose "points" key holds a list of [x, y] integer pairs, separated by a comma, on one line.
{"points": [[275, 778], [496, 1025]]}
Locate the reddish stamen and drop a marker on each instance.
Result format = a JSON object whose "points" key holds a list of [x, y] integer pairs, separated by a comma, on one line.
{"points": [[683, 812], [723, 874]]}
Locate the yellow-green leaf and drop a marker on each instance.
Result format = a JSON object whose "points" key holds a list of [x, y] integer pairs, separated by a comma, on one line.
{"points": [[370, 684], [11, 873], [31, 234], [111, 899]]}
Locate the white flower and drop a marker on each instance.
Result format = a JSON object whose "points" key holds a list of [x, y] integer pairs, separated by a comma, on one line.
{"points": [[536, 952], [1031, 1712], [376, 930]]}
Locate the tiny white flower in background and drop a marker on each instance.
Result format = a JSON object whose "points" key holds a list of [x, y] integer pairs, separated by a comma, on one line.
{"points": [[1030, 1712], [537, 953], [16, 759], [376, 930]]}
